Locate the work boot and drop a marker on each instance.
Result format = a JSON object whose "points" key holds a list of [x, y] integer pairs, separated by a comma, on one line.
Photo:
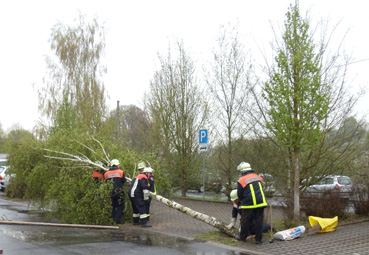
{"points": [[136, 223], [145, 225], [258, 242], [238, 238]]}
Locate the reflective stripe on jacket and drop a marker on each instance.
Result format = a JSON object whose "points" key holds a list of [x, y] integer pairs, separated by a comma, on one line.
{"points": [[250, 191], [117, 176], [138, 184]]}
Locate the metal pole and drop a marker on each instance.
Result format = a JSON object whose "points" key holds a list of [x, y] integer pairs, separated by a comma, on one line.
{"points": [[203, 175]]}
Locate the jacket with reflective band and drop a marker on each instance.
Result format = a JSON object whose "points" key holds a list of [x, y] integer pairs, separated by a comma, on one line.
{"points": [[250, 191], [96, 174], [236, 209], [152, 184], [138, 184], [118, 177]]}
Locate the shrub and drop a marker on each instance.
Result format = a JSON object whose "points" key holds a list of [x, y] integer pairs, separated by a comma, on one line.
{"points": [[327, 205], [360, 195]]}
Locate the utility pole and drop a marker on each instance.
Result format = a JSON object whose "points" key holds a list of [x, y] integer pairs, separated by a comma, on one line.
{"points": [[118, 125]]}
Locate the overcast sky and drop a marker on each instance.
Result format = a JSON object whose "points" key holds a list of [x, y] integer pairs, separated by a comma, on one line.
{"points": [[138, 30]]}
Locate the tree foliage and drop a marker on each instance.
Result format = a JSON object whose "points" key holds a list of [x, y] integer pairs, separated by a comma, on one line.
{"points": [[305, 99], [74, 73]]}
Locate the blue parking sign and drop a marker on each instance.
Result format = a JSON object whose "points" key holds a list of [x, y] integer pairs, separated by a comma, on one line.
{"points": [[203, 136]]}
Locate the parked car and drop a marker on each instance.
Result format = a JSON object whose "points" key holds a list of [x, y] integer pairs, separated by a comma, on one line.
{"points": [[334, 183], [269, 184], [4, 177]]}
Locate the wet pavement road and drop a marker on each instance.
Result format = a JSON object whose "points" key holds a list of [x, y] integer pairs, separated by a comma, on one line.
{"points": [[25, 239], [172, 233], [350, 239]]}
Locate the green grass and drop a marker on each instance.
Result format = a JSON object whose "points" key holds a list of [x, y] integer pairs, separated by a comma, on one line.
{"points": [[218, 237]]}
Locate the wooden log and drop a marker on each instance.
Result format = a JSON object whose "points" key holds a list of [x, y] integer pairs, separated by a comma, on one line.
{"points": [[9, 222]]}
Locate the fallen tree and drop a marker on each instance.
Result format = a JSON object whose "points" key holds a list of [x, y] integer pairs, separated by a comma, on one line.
{"points": [[81, 158]]}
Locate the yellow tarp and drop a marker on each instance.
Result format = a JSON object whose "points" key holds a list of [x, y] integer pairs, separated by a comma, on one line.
{"points": [[327, 224]]}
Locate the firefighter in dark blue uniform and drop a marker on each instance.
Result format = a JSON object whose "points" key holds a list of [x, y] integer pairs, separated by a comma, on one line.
{"points": [[152, 189], [236, 209], [138, 193], [250, 192], [118, 178]]}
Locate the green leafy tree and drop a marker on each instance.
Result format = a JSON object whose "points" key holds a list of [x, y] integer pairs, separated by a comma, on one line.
{"points": [[298, 101], [307, 98], [177, 112], [75, 71]]}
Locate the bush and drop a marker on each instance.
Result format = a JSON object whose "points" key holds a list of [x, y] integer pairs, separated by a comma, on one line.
{"points": [[75, 198], [327, 205], [360, 194]]}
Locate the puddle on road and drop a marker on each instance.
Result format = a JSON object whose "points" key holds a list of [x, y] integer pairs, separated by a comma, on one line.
{"points": [[147, 242], [72, 240]]}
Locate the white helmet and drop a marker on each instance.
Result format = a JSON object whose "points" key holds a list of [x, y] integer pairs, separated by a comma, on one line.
{"points": [[114, 162], [244, 167], [141, 165], [148, 170], [233, 195]]}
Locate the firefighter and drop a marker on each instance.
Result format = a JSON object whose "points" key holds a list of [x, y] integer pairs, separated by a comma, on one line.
{"points": [[138, 193], [152, 189], [141, 166], [253, 202], [98, 174], [237, 210], [117, 176]]}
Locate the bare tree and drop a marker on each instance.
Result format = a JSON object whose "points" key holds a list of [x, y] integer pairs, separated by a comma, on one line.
{"points": [[228, 81], [177, 111]]}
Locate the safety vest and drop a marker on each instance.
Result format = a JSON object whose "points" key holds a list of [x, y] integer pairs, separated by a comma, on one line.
{"points": [[117, 173], [96, 174], [136, 186], [253, 194]]}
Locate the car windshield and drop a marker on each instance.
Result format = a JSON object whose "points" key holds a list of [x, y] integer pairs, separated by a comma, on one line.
{"points": [[2, 169], [344, 180]]}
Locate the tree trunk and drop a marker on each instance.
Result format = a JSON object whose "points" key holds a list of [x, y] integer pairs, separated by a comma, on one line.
{"points": [[296, 189], [197, 215]]}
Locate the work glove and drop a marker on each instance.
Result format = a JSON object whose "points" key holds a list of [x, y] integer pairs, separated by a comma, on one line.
{"points": [[146, 194], [231, 225]]}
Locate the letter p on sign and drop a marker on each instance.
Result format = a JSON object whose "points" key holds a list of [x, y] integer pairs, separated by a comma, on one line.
{"points": [[203, 136]]}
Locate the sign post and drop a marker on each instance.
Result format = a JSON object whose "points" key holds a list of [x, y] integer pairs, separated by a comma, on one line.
{"points": [[203, 147]]}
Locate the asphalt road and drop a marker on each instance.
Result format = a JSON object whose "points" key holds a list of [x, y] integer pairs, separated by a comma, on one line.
{"points": [[24, 239]]}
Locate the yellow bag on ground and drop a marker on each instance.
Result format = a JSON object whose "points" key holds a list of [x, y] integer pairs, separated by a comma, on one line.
{"points": [[326, 224]]}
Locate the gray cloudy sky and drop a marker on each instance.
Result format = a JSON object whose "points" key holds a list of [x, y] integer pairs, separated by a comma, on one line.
{"points": [[137, 30]]}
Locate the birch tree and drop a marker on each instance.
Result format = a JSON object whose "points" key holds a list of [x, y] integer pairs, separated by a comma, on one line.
{"points": [[74, 72], [82, 159]]}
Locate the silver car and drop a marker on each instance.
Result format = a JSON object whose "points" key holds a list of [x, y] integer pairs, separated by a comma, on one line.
{"points": [[4, 177], [335, 183]]}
